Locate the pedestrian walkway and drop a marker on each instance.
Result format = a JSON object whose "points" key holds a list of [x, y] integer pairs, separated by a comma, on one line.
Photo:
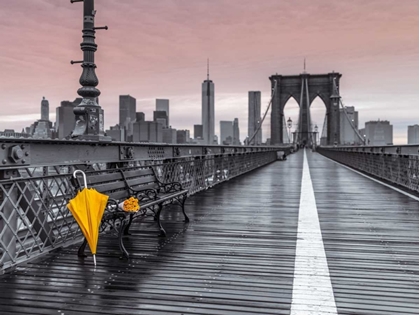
{"points": [[247, 250]]}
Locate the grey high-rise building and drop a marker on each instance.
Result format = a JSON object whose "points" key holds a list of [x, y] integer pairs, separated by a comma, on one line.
{"points": [[45, 109], [347, 133], [413, 134], [127, 110], [161, 117], [140, 116], [226, 132], [147, 131], [65, 118], [254, 116], [163, 105], [198, 131], [207, 110], [182, 136], [378, 132], [236, 140], [169, 135]]}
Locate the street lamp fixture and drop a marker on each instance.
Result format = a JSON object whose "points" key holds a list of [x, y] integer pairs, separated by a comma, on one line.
{"points": [[289, 125]]}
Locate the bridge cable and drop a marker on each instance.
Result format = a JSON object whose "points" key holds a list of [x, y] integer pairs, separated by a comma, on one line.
{"points": [[265, 114], [356, 131]]}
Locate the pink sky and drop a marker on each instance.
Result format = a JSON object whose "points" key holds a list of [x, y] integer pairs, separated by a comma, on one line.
{"points": [[158, 49]]}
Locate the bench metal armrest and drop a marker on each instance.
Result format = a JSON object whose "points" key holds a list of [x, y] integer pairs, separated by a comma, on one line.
{"points": [[147, 194], [170, 187]]}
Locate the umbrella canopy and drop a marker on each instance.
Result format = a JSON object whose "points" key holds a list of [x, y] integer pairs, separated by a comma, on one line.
{"points": [[87, 208]]}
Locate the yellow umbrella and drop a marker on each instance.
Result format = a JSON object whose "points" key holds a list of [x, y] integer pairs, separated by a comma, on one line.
{"points": [[87, 208]]}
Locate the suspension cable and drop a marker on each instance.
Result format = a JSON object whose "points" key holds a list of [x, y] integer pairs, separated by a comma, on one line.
{"points": [[356, 131], [265, 114]]}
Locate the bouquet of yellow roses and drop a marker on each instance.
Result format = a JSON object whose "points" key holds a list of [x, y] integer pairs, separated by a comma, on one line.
{"points": [[130, 205]]}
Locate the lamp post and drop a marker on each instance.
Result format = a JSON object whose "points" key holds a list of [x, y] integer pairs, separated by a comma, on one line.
{"points": [[316, 135], [89, 115], [289, 125]]}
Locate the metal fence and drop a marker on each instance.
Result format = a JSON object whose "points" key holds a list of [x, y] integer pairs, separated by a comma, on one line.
{"points": [[396, 164], [34, 218]]}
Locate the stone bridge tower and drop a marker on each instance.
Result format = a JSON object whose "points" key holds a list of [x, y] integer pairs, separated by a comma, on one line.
{"points": [[304, 88]]}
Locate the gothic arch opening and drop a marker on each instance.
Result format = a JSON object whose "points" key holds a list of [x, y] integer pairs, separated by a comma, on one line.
{"points": [[318, 111], [290, 111]]}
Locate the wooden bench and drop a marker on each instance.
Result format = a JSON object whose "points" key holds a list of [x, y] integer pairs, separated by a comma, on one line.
{"points": [[139, 182]]}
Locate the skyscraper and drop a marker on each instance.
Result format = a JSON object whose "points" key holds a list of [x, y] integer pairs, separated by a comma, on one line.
{"points": [[347, 133], [207, 109], [226, 132], [127, 114], [254, 116], [45, 109], [413, 134], [161, 117], [140, 116], [198, 131], [378, 132], [65, 118], [147, 131], [127, 109], [236, 140], [163, 105]]}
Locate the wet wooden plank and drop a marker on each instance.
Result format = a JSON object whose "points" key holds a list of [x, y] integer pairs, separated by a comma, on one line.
{"points": [[236, 256], [370, 236]]}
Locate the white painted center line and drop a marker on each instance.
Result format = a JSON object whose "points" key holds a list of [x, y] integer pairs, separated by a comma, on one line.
{"points": [[312, 289]]}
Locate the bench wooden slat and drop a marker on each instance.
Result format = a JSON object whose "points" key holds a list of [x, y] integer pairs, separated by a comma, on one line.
{"points": [[136, 173], [105, 177], [141, 180], [108, 187]]}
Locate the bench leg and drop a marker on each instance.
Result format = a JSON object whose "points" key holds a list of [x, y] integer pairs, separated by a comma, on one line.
{"points": [[162, 231], [186, 219], [81, 251], [120, 239], [126, 232]]}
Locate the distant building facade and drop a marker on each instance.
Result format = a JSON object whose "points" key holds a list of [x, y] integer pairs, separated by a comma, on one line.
{"points": [[140, 116], [45, 109], [254, 116], [169, 135], [198, 131], [413, 134], [11, 133], [65, 118], [160, 116], [207, 110], [236, 134], [347, 133], [379, 132], [147, 131], [163, 105], [116, 133], [226, 132], [182, 136], [127, 117]]}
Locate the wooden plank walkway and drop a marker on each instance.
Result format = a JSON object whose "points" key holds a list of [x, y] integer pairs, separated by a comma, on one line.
{"points": [[371, 239], [237, 254]]}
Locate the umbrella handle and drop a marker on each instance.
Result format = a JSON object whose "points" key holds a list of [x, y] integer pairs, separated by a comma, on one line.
{"points": [[84, 176]]}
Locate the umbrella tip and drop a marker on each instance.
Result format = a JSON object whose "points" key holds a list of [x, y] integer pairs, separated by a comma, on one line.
{"points": [[94, 259]]}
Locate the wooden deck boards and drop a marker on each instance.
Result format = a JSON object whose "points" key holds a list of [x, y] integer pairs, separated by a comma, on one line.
{"points": [[370, 237], [237, 254]]}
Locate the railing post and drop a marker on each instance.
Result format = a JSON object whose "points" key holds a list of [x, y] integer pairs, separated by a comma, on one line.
{"points": [[8, 218]]}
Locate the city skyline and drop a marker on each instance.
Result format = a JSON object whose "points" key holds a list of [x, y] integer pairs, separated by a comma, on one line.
{"points": [[374, 49]]}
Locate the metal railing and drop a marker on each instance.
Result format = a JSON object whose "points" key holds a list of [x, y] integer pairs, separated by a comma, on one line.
{"points": [[35, 183], [398, 165]]}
